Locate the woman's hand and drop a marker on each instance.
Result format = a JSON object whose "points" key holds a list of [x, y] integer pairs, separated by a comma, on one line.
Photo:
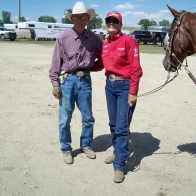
{"points": [[132, 99]]}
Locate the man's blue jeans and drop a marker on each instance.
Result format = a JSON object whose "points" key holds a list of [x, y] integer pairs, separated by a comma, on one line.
{"points": [[75, 90], [117, 106]]}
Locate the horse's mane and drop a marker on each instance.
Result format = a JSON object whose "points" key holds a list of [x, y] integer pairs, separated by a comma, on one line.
{"points": [[182, 11]]}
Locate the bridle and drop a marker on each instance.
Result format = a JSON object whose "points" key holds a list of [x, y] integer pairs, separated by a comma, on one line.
{"points": [[172, 67]]}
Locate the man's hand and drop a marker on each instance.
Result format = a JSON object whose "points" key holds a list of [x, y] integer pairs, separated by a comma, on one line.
{"points": [[132, 99], [56, 92]]}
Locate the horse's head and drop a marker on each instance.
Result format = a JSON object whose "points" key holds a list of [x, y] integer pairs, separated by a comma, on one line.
{"points": [[181, 37]]}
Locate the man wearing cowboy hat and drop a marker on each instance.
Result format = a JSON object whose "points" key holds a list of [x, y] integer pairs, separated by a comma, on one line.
{"points": [[74, 54]]}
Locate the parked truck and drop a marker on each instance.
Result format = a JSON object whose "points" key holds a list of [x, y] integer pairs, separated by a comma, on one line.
{"points": [[7, 34], [142, 36]]}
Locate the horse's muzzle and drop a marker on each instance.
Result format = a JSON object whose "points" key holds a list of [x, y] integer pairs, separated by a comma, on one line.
{"points": [[168, 65]]}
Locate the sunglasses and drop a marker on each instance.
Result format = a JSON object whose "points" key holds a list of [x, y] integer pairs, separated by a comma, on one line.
{"points": [[79, 17], [114, 21]]}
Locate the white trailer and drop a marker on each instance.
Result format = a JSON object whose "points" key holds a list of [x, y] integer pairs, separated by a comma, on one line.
{"points": [[158, 33], [44, 30], [11, 27], [103, 31], [127, 32], [158, 29], [100, 31]]}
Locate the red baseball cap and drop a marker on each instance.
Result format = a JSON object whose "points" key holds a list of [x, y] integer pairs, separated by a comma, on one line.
{"points": [[114, 14]]}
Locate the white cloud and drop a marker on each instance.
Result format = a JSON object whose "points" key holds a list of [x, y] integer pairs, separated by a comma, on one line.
{"points": [[131, 18], [94, 5], [124, 6], [140, 14], [14, 18], [158, 15], [164, 11], [128, 13], [28, 18]]}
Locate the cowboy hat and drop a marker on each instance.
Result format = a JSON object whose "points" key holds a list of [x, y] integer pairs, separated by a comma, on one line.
{"points": [[80, 8]]}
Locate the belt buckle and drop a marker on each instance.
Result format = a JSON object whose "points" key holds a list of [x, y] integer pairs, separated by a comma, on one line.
{"points": [[112, 77], [80, 73]]}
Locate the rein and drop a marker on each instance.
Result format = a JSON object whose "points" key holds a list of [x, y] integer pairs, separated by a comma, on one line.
{"points": [[186, 68], [168, 76], [160, 87]]}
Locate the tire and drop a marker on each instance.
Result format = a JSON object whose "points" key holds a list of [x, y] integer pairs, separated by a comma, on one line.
{"points": [[145, 43], [138, 40], [12, 39], [2, 37]]}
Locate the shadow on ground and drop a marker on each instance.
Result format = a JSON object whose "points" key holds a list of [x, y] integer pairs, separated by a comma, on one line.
{"points": [[99, 144], [143, 145], [190, 148]]}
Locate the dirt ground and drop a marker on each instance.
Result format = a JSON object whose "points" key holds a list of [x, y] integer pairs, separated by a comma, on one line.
{"points": [[163, 132]]}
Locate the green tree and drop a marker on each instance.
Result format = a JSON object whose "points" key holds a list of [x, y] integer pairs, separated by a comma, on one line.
{"points": [[47, 19], [153, 23], [22, 19], [95, 23], [6, 16], [65, 20], [164, 22], [145, 23]]}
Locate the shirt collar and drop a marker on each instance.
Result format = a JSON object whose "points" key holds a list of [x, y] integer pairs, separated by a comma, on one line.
{"points": [[115, 37], [77, 36]]}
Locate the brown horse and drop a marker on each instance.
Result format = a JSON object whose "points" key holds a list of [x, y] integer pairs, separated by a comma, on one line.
{"points": [[182, 35]]}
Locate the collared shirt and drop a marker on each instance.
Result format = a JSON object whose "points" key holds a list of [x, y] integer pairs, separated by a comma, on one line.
{"points": [[73, 51], [120, 56]]}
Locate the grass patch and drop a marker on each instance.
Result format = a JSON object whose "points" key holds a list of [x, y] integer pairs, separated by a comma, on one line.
{"points": [[30, 41], [152, 49], [144, 48]]}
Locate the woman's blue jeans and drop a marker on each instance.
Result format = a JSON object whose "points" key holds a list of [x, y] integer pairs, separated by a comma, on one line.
{"points": [[119, 119], [75, 90]]}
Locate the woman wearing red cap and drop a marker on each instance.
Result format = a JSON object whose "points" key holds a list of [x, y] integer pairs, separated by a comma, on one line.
{"points": [[120, 58]]}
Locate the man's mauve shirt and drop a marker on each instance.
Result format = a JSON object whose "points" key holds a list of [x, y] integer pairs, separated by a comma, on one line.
{"points": [[72, 52]]}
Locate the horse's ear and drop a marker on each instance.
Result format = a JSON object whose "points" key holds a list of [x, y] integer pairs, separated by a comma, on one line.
{"points": [[173, 11]]}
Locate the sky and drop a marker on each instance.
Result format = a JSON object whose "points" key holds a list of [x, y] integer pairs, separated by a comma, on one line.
{"points": [[132, 11]]}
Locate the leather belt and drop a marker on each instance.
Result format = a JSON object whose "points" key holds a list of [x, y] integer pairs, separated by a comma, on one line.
{"points": [[113, 78], [79, 72]]}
